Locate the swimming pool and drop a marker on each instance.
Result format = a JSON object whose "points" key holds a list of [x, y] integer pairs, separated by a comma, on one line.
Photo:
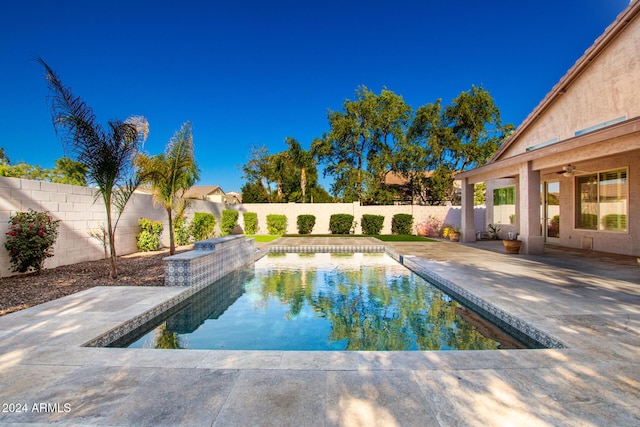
{"points": [[322, 302]]}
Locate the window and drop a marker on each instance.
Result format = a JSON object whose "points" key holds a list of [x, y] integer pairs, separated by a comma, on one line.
{"points": [[504, 205], [602, 201]]}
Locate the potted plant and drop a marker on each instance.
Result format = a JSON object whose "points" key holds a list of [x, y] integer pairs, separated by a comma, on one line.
{"points": [[494, 229], [451, 233], [512, 244]]}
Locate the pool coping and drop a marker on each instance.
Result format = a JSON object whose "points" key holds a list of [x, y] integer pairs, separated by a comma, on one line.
{"points": [[592, 308]]}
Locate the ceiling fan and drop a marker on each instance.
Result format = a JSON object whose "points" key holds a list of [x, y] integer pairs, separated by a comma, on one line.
{"points": [[570, 170]]}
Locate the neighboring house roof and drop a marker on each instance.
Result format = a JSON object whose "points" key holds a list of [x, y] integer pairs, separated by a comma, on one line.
{"points": [[233, 197], [202, 191], [395, 178]]}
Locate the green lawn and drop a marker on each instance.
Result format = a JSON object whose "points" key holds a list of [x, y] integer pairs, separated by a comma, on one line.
{"points": [[263, 238], [384, 237]]}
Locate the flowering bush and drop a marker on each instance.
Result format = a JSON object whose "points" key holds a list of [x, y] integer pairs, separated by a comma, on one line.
{"points": [[432, 227], [30, 240]]}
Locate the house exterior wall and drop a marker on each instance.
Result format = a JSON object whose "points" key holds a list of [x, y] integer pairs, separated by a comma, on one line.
{"points": [[626, 243], [609, 88]]}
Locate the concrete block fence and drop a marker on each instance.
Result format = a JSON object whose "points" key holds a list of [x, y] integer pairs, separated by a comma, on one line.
{"points": [[80, 212]]}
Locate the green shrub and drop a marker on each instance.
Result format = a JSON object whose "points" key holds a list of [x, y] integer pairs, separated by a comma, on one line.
{"points": [[306, 223], [181, 231], [250, 222], [372, 224], [276, 224], [30, 240], [148, 239], [340, 223], [402, 224], [229, 221], [202, 226]]}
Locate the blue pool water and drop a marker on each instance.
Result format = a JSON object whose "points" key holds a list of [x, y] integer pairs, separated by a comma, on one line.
{"points": [[323, 302]]}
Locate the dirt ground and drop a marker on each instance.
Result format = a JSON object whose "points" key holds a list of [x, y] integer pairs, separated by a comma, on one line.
{"points": [[23, 291]]}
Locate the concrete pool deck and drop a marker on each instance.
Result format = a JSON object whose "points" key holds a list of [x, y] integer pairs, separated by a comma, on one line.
{"points": [[589, 301]]}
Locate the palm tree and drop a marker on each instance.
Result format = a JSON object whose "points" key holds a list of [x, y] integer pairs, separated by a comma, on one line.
{"points": [[107, 153], [302, 160], [171, 174], [278, 167]]}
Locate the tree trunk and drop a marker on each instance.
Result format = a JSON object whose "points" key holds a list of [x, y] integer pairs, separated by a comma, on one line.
{"points": [[112, 244], [303, 184], [172, 244]]}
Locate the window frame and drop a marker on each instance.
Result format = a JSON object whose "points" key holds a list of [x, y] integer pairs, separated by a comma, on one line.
{"points": [[579, 180]]}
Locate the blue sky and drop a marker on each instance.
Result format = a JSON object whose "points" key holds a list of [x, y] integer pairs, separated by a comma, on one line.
{"points": [[254, 72]]}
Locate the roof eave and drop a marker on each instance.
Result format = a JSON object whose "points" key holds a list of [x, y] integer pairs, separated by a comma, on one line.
{"points": [[612, 31]]}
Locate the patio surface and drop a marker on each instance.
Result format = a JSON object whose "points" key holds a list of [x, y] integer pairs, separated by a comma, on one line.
{"points": [[589, 301]]}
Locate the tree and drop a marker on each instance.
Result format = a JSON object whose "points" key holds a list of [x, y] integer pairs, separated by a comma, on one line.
{"points": [[357, 149], [257, 173], [254, 193], [66, 171], [277, 170], [446, 140], [69, 171], [302, 160], [171, 174], [293, 171], [107, 153]]}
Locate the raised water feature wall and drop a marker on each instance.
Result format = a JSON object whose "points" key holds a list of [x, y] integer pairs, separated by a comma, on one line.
{"points": [[209, 261]]}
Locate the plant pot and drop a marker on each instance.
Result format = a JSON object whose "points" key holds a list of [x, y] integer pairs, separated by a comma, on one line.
{"points": [[454, 237], [512, 246]]}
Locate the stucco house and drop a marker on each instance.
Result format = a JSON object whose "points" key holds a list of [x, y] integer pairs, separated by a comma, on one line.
{"points": [[570, 173]]}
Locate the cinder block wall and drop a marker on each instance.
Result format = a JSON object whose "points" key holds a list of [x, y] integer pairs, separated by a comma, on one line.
{"points": [[81, 212], [323, 211]]}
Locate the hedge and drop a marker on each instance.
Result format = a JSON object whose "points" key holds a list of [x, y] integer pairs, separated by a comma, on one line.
{"points": [[276, 224], [340, 223], [306, 223], [250, 222], [202, 226], [148, 239], [372, 224], [229, 221], [402, 224]]}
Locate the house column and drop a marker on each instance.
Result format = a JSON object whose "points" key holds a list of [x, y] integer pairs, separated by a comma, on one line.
{"points": [[529, 206], [467, 216]]}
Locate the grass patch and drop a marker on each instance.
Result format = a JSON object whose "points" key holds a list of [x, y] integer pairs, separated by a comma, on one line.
{"points": [[383, 237], [263, 238]]}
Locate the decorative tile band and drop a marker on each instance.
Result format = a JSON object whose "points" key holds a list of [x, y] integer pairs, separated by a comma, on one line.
{"points": [[340, 249], [209, 261], [193, 270]]}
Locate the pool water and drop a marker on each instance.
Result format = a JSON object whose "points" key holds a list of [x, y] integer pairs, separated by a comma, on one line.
{"points": [[324, 302]]}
